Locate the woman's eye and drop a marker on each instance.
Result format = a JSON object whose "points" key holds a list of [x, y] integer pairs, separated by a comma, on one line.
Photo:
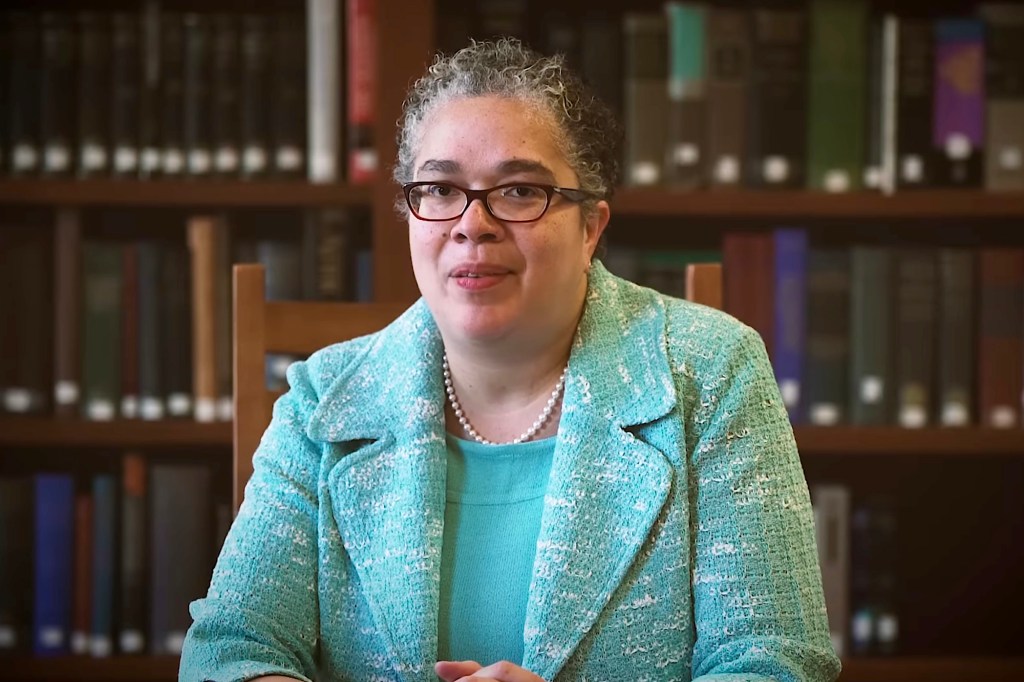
{"points": [[438, 190], [523, 192]]}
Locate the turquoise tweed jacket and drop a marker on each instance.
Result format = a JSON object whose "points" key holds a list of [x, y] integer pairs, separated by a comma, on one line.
{"points": [[676, 541]]}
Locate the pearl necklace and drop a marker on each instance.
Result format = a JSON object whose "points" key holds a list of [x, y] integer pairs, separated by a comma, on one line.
{"points": [[461, 416]]}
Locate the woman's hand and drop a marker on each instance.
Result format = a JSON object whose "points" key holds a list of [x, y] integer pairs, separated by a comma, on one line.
{"points": [[470, 671]]}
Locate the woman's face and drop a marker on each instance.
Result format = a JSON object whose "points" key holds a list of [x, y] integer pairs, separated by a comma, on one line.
{"points": [[488, 280]]}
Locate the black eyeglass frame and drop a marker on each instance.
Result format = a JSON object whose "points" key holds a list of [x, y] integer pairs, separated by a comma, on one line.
{"points": [[572, 194]]}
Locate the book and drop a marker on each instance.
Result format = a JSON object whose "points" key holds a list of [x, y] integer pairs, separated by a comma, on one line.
{"points": [[1004, 96], [790, 323], [831, 508], [180, 529], [916, 332], [202, 242], [957, 310], [16, 563], [324, 90], [777, 106], [131, 601], [686, 152], [837, 102], [872, 335], [104, 562], [53, 577], [645, 102], [729, 44], [958, 127], [101, 329], [361, 89], [1001, 330], [828, 336]]}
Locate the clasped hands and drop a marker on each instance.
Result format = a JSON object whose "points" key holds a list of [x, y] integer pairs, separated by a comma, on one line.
{"points": [[471, 671]]}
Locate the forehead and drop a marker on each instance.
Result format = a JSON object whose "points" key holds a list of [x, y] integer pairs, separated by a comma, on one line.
{"points": [[482, 134]]}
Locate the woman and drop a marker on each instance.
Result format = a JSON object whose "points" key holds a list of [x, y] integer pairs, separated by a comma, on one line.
{"points": [[540, 467]]}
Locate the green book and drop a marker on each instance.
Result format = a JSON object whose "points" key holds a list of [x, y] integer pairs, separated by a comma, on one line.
{"points": [[837, 94]]}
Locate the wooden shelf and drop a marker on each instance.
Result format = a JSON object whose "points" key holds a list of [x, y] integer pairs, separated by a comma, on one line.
{"points": [[42, 431], [893, 441], [805, 204], [813, 441], [85, 669], [906, 669], [221, 193]]}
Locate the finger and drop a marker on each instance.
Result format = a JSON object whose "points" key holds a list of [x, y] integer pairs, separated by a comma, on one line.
{"points": [[450, 671], [505, 672]]}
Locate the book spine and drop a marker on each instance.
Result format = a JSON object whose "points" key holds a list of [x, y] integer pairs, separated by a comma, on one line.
{"points": [[197, 137], [82, 573], [225, 100], [129, 356], [838, 90], [125, 103], [101, 330], [255, 78], [54, 559], [131, 600], [57, 102], [959, 105], [172, 94], [104, 560], [872, 337], [92, 94], [325, 82], [685, 159], [150, 93], [777, 131], [646, 102], [916, 163], [361, 35], [288, 101], [202, 241], [956, 326], [916, 315], [151, 390], [729, 45], [1001, 336], [1004, 89], [24, 157], [790, 325], [828, 340], [16, 564]]}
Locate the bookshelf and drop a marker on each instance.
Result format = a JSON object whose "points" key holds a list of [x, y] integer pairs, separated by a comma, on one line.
{"points": [[862, 453]]}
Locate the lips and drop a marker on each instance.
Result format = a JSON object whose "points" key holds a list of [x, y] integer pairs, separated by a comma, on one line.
{"points": [[475, 270]]}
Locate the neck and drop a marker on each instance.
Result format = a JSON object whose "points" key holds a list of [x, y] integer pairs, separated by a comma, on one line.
{"points": [[502, 396]]}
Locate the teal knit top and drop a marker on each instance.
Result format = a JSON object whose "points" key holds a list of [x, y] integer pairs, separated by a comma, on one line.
{"points": [[494, 500]]}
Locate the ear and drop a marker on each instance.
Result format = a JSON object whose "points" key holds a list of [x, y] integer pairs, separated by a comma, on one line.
{"points": [[594, 227]]}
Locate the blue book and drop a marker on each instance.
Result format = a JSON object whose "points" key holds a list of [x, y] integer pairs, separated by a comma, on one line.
{"points": [[790, 316], [54, 563], [104, 557]]}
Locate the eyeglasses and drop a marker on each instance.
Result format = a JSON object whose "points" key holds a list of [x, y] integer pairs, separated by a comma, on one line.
{"points": [[513, 203]]}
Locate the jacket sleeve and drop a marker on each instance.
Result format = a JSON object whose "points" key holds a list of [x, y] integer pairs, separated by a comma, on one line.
{"points": [[759, 608], [260, 615]]}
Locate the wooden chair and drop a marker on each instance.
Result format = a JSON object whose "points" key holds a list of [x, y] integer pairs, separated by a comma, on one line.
{"points": [[294, 327], [301, 327], [704, 284]]}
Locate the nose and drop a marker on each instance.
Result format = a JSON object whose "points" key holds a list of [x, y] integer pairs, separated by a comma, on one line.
{"points": [[477, 224]]}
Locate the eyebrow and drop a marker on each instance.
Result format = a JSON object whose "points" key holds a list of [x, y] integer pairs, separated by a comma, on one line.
{"points": [[449, 167]]}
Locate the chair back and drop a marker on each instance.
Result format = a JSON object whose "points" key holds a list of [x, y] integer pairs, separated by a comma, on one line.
{"points": [[704, 284], [286, 327]]}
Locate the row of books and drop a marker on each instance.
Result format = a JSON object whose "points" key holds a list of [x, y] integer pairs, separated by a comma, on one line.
{"points": [[872, 334], [109, 325], [106, 563], [163, 92], [832, 95], [857, 539]]}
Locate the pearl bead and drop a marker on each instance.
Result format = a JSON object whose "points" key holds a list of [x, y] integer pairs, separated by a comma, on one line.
{"points": [[464, 421]]}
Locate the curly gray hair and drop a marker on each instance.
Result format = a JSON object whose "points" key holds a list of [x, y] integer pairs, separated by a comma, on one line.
{"points": [[587, 132]]}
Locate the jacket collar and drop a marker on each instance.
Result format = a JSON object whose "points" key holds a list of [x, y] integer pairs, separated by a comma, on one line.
{"points": [[388, 496], [618, 368]]}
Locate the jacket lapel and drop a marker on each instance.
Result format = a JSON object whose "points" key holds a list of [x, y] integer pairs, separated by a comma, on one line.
{"points": [[607, 488], [388, 495]]}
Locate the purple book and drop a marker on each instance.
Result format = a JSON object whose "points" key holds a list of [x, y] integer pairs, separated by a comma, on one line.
{"points": [[958, 130], [790, 296]]}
